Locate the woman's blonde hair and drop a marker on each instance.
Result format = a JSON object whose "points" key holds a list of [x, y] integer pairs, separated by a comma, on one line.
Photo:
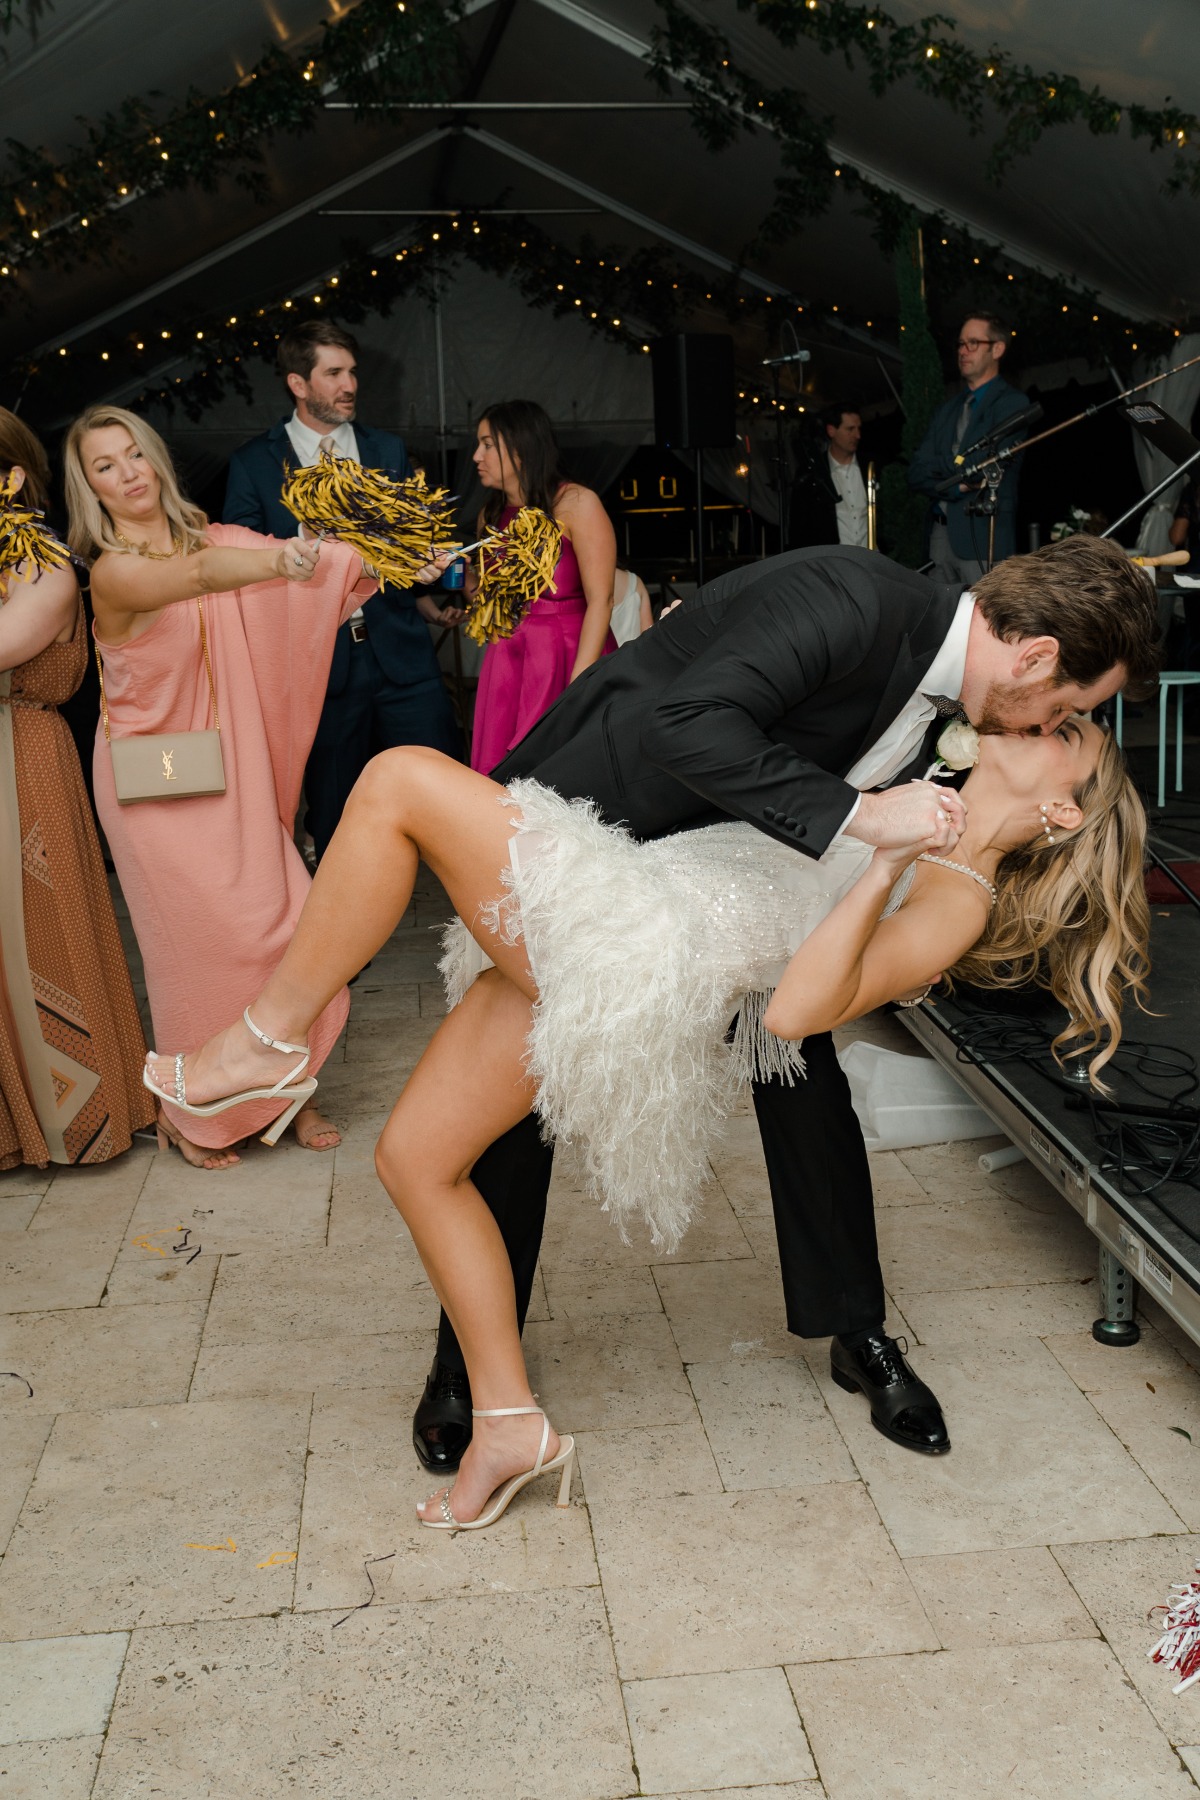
{"points": [[1073, 917], [91, 531]]}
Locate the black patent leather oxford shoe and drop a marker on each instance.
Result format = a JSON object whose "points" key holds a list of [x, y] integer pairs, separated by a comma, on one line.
{"points": [[902, 1407], [442, 1421]]}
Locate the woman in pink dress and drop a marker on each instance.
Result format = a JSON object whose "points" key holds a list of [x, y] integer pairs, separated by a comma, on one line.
{"points": [[214, 883], [565, 630]]}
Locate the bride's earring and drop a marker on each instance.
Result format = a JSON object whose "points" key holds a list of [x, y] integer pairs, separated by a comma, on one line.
{"points": [[1045, 812]]}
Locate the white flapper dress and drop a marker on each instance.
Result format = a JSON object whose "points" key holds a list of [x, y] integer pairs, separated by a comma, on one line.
{"points": [[644, 954]]}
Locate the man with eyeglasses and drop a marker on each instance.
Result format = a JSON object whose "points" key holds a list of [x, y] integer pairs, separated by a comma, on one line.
{"points": [[958, 536]]}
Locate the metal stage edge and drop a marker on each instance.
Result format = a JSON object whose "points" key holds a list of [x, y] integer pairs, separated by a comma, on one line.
{"points": [[1133, 1248]]}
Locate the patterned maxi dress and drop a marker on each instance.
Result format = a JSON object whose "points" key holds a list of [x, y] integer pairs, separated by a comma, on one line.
{"points": [[71, 1044]]}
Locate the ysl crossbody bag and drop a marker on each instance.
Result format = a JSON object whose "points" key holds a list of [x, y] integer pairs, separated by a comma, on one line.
{"points": [[167, 765]]}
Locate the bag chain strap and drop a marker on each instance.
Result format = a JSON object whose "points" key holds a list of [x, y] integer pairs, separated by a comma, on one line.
{"points": [[212, 686]]}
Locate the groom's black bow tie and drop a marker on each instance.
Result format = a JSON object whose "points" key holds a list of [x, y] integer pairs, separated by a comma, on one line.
{"points": [[945, 707]]}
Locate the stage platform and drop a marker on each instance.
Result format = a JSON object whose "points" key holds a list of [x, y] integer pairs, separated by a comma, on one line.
{"points": [[1146, 1222]]}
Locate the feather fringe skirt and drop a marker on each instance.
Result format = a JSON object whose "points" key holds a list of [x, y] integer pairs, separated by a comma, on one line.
{"points": [[643, 954]]}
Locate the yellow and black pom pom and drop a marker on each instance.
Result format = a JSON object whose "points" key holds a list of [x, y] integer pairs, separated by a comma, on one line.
{"points": [[395, 525], [26, 539], [515, 566]]}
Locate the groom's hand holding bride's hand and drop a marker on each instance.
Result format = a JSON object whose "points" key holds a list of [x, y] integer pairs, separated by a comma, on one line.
{"points": [[901, 822]]}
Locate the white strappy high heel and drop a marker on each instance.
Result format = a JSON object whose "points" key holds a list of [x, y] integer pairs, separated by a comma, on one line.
{"points": [[286, 1088], [565, 1460]]}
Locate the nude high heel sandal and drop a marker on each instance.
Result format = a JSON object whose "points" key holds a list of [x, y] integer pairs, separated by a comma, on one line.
{"points": [[286, 1088], [565, 1460]]}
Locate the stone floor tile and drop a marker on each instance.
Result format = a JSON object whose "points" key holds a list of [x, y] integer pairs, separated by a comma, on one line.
{"points": [[790, 1790], [590, 1293], [91, 1357], [16, 1210], [43, 1271], [539, 1302], [1151, 1313], [989, 1597], [1039, 1720], [432, 999], [996, 1242], [58, 1687], [24, 1435], [99, 1199], [738, 1165], [102, 1541], [343, 1291], [579, 1235], [63, 1769], [695, 1731], [361, 1214], [736, 1309], [151, 1273], [1148, 1395], [360, 1496], [726, 1309], [302, 1365], [893, 1182], [598, 1373], [275, 1200], [1190, 1757], [1031, 1462], [25, 1180], [385, 1000], [952, 1171], [621, 1469], [522, 1684], [1119, 1583], [955, 1317], [397, 1044], [768, 1425], [706, 1582]]}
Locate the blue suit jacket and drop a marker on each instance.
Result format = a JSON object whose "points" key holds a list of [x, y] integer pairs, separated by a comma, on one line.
{"points": [[934, 461], [398, 634]]}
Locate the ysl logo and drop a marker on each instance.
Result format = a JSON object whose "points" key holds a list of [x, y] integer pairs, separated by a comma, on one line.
{"points": [[168, 767]]}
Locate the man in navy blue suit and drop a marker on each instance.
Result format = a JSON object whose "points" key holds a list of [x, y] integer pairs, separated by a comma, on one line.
{"points": [[385, 687], [958, 538]]}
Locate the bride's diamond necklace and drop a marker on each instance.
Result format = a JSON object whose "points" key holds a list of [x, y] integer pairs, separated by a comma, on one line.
{"points": [[947, 862]]}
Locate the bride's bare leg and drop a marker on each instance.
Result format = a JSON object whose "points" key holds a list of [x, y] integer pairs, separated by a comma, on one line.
{"points": [[468, 1088], [408, 803]]}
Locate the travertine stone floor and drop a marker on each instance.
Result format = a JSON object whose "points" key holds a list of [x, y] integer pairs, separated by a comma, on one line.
{"points": [[752, 1595]]}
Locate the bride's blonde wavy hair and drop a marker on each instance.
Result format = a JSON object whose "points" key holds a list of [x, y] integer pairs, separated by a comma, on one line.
{"points": [[1072, 916]]}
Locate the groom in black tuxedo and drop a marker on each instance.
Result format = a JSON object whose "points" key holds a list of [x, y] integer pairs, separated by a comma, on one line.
{"points": [[782, 694]]}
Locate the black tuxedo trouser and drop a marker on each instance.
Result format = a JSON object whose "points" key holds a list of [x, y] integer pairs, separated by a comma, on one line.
{"points": [[820, 1188]]}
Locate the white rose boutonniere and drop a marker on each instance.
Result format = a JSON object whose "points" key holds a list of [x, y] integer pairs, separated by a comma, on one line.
{"points": [[958, 745]]}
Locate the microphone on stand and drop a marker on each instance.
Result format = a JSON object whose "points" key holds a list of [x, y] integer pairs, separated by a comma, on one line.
{"points": [[773, 362]]}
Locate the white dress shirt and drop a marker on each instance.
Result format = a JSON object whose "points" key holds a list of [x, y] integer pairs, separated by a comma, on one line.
{"points": [[307, 445], [902, 738], [847, 478]]}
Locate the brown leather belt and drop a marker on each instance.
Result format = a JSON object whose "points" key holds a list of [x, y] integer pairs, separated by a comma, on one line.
{"points": [[358, 632]]}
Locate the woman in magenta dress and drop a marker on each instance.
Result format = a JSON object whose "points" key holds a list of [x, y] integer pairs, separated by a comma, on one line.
{"points": [[566, 629]]}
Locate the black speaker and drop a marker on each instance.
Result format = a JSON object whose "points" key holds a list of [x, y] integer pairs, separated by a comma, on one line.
{"points": [[693, 390]]}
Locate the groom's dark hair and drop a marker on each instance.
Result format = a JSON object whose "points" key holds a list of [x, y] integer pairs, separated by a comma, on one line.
{"points": [[1085, 592]]}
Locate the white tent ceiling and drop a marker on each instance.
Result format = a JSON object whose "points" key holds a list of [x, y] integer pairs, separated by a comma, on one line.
{"points": [[1090, 208]]}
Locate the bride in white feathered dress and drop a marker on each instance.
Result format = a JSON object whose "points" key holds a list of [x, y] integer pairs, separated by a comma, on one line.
{"points": [[624, 989]]}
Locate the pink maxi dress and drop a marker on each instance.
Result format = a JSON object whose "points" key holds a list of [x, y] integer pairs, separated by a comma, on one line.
{"points": [[215, 884], [523, 675]]}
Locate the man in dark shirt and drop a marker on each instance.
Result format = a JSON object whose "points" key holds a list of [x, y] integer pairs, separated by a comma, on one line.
{"points": [[958, 537]]}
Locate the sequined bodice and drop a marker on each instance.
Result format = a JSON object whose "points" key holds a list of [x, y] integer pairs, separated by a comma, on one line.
{"points": [[763, 899]]}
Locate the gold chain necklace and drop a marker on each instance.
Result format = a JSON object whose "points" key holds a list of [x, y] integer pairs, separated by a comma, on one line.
{"points": [[145, 550]]}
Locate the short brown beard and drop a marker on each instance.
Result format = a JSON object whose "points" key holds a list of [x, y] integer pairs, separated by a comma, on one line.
{"points": [[992, 721], [328, 415]]}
